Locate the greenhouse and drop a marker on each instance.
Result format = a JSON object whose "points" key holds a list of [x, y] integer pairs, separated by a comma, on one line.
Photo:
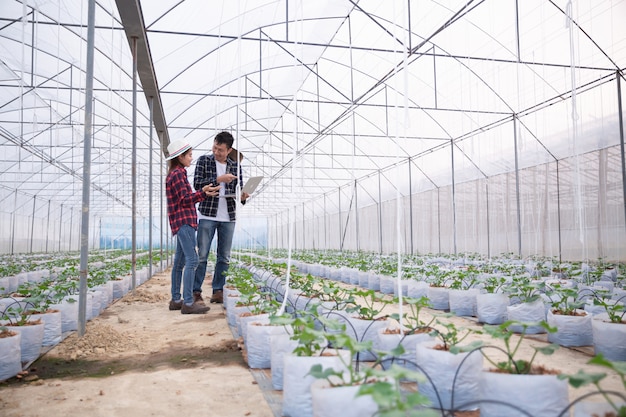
{"points": [[404, 147]]}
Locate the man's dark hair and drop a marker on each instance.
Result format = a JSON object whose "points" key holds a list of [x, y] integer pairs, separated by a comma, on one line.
{"points": [[224, 138]]}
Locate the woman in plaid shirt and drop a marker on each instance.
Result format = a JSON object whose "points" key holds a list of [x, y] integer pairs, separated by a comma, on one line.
{"points": [[181, 211]]}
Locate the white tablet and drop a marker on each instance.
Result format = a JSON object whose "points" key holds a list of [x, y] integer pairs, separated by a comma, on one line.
{"points": [[248, 187]]}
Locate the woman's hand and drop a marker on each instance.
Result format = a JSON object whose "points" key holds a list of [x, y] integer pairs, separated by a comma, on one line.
{"points": [[211, 190]]}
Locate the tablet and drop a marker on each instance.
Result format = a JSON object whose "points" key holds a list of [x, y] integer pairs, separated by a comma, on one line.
{"points": [[248, 187]]}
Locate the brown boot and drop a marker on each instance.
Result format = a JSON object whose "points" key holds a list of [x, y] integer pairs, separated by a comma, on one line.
{"points": [[176, 305], [197, 298], [218, 297], [195, 308]]}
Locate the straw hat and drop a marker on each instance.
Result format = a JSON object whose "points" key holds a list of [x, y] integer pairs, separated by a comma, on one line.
{"points": [[176, 148]]}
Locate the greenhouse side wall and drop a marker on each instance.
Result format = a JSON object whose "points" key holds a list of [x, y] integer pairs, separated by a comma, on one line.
{"points": [[572, 209]]}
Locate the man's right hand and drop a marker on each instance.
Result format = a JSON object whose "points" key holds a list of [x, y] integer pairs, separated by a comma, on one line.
{"points": [[227, 178]]}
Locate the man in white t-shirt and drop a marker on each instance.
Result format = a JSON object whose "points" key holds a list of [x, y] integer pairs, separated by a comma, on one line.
{"points": [[216, 214]]}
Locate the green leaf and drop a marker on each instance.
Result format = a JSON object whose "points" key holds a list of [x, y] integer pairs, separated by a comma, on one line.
{"points": [[547, 350], [582, 378]]}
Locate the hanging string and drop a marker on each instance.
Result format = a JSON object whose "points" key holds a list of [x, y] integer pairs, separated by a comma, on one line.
{"points": [[294, 154], [575, 121], [399, 147]]}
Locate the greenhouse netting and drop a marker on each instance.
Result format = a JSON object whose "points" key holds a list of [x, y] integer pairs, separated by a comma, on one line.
{"points": [[450, 126]]}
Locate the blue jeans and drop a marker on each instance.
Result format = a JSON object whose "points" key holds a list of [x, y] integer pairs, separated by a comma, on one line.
{"points": [[185, 258], [206, 231]]}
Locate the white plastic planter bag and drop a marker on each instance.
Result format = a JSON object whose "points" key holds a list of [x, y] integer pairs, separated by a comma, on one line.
{"points": [[441, 367], [238, 311], [386, 342], [417, 289], [345, 274], [230, 300], [10, 356], [340, 401], [595, 409], [89, 306], [69, 313], [365, 330], [297, 401], [245, 320], [596, 310], [258, 344], [527, 313], [364, 278], [106, 295], [374, 282], [52, 327], [119, 288], [354, 277], [110, 287], [232, 312], [280, 345], [571, 330], [404, 284], [492, 308], [96, 303], [463, 302], [609, 338], [537, 395], [439, 297], [6, 285], [30, 342], [387, 284]]}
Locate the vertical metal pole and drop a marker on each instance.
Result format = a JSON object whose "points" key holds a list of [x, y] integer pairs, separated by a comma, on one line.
{"points": [[304, 235], [356, 217], [411, 206], [60, 227], [380, 218], [69, 246], [325, 226], [13, 225], [48, 226], [488, 231], [517, 193], [621, 137], [32, 225], [84, 235], [150, 104], [439, 217], [340, 234], [134, 170], [558, 208], [162, 182], [453, 196]]}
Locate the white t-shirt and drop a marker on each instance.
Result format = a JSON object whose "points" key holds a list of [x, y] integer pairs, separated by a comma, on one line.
{"points": [[222, 208]]}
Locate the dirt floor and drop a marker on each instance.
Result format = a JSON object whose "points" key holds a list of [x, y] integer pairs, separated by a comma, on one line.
{"points": [[140, 359]]}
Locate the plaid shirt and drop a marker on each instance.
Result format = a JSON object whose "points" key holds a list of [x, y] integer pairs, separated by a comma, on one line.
{"points": [[206, 174], [181, 200]]}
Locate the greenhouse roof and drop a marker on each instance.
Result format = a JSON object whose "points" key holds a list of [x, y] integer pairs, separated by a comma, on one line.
{"points": [[318, 94]]}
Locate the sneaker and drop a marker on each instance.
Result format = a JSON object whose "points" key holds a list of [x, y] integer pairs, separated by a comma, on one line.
{"points": [[195, 308], [197, 298], [217, 297], [176, 305]]}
